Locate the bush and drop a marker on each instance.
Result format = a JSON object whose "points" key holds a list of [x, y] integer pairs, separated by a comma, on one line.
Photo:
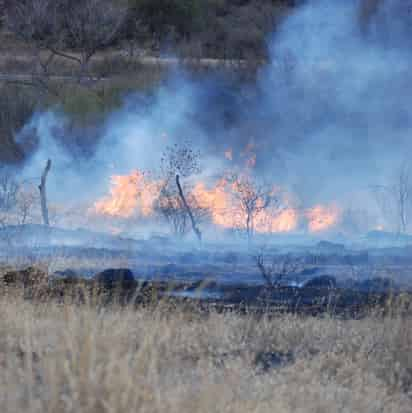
{"points": [[164, 17], [17, 105]]}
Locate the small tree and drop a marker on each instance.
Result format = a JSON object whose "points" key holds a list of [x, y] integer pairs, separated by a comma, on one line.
{"points": [[395, 199], [253, 198], [171, 207], [179, 161], [275, 269], [27, 202], [8, 194], [72, 30]]}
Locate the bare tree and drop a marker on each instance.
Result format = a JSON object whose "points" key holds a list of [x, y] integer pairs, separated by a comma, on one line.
{"points": [[253, 198], [43, 194], [26, 203], [403, 195], [91, 26], [395, 199], [18, 199], [171, 207], [181, 161], [275, 269], [71, 30], [8, 194]]}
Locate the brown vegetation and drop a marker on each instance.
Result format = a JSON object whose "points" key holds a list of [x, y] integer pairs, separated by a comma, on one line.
{"points": [[86, 358]]}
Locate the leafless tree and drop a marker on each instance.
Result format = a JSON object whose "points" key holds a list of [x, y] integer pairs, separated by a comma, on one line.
{"points": [[19, 200], [26, 208], [8, 194], [395, 199], [403, 195], [274, 269], [253, 198], [71, 30], [181, 161], [171, 207]]}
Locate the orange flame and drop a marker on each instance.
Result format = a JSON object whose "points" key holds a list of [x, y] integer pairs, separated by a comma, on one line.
{"points": [[322, 218], [137, 194], [128, 194], [227, 212]]}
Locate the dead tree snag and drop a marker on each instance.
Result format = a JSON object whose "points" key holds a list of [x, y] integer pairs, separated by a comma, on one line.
{"points": [[43, 194]]}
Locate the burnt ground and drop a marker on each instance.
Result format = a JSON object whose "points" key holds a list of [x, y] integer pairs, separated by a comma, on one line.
{"points": [[316, 276]]}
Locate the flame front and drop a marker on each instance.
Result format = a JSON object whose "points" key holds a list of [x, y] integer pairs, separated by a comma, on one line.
{"points": [[129, 194], [321, 217], [137, 194], [226, 211]]}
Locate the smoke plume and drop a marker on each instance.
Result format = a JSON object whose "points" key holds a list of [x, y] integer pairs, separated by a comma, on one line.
{"points": [[328, 116]]}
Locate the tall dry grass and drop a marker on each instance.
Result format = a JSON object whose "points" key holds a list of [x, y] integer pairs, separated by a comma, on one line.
{"points": [[85, 358]]}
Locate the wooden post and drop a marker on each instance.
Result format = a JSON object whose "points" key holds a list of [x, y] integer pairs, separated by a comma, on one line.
{"points": [[43, 195]]}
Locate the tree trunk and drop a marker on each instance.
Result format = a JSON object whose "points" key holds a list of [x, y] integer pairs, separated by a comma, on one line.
{"points": [[189, 211], [43, 195]]}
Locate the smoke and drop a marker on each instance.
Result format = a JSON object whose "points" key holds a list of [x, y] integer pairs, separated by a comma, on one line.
{"points": [[337, 96], [328, 116]]}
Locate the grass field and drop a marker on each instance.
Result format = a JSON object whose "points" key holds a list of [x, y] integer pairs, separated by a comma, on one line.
{"points": [[87, 358]]}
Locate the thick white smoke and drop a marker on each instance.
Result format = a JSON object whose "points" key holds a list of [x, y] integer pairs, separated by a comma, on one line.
{"points": [[329, 116]]}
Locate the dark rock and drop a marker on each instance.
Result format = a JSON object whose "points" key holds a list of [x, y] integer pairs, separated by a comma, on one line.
{"points": [[116, 278]]}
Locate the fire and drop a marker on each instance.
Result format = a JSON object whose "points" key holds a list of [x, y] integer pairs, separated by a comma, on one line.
{"points": [[321, 217], [137, 194], [218, 202], [285, 221], [227, 212], [128, 194]]}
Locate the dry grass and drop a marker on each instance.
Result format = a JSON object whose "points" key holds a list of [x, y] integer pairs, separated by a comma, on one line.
{"points": [[71, 358]]}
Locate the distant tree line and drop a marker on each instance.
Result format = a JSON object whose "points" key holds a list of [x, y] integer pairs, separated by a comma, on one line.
{"points": [[232, 29], [202, 28], [66, 37], [212, 28]]}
